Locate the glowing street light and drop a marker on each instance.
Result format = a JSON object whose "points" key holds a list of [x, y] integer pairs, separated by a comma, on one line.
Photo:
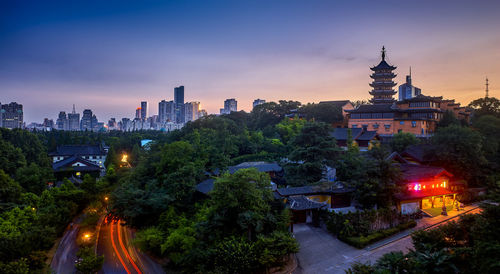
{"points": [[124, 158], [105, 198]]}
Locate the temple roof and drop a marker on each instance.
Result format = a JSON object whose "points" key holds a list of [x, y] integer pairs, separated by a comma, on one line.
{"points": [[356, 133], [67, 164], [84, 150], [373, 108], [329, 188], [260, 166], [413, 172], [383, 65], [302, 203], [422, 98]]}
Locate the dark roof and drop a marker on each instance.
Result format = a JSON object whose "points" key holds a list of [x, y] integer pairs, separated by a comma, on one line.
{"points": [[413, 172], [260, 166], [302, 203], [356, 133], [422, 153], [336, 103], [330, 188], [396, 157], [67, 164], [422, 98], [373, 108], [67, 150], [205, 186], [383, 65]]}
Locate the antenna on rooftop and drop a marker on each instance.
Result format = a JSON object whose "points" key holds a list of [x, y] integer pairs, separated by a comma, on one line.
{"points": [[487, 84], [74, 109]]}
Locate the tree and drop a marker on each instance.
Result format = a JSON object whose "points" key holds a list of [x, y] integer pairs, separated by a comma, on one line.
{"points": [[323, 112], [314, 149], [486, 106], [90, 262], [289, 128], [459, 150], [402, 140], [33, 178], [448, 119], [89, 184], [10, 191], [11, 158]]}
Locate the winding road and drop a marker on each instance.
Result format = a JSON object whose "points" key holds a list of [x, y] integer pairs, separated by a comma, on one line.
{"points": [[120, 256]]}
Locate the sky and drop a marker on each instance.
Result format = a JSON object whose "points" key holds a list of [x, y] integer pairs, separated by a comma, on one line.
{"points": [[111, 55]]}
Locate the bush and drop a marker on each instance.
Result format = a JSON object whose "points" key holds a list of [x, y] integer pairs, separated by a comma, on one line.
{"points": [[363, 241]]}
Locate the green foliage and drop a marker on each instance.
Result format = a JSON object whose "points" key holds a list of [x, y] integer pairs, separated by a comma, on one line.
{"points": [[460, 152], [11, 158], [486, 106], [362, 241], [90, 262], [10, 191], [323, 112], [448, 119], [33, 178], [150, 239], [402, 140], [314, 149]]}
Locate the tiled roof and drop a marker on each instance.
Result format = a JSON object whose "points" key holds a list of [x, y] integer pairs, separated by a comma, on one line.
{"points": [[302, 203], [336, 103], [356, 133], [67, 150], [383, 65], [205, 186], [373, 108], [412, 172], [330, 188], [260, 166], [67, 163], [421, 153]]}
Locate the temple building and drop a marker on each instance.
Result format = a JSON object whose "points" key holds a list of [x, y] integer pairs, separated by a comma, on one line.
{"points": [[417, 114]]}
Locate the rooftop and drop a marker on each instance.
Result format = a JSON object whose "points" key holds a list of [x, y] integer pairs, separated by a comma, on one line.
{"points": [[67, 150]]}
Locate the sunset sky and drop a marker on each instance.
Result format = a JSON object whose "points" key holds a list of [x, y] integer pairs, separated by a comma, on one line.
{"points": [[110, 55]]}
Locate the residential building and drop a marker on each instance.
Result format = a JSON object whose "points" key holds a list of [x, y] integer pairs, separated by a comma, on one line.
{"points": [[93, 153], [191, 111], [138, 113], [230, 105], [12, 115], [257, 102], [166, 111], [48, 124]]}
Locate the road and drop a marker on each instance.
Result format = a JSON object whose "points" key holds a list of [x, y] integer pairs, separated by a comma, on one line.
{"points": [[320, 252], [65, 256], [120, 256]]}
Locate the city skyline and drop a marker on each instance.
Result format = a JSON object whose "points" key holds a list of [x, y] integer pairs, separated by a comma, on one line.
{"points": [[102, 55]]}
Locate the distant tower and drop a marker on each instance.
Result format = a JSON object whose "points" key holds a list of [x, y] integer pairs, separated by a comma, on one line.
{"points": [[487, 85], [144, 110], [383, 83]]}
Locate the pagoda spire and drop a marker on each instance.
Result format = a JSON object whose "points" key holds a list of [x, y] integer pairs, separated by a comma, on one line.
{"points": [[383, 82], [383, 53]]}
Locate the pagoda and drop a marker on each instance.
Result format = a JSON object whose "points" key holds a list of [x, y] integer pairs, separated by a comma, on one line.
{"points": [[383, 83]]}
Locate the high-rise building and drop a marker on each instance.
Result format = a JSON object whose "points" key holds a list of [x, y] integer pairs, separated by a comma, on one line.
{"points": [[86, 122], [112, 125], [74, 120], [407, 90], [62, 121], [166, 111], [257, 102], [191, 111], [48, 124], [138, 113], [144, 110], [12, 115], [230, 105], [383, 83], [179, 95], [179, 104]]}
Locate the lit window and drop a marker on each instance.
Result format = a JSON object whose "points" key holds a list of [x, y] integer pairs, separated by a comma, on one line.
{"points": [[401, 122], [413, 124], [354, 126]]}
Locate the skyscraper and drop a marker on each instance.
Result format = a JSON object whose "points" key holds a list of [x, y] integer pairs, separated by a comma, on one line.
{"points": [[74, 120], [407, 90], [179, 104], [257, 102], [62, 121], [166, 111], [138, 113], [12, 115], [86, 122], [144, 110]]}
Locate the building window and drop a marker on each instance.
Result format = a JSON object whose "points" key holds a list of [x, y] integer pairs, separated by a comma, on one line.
{"points": [[387, 127], [413, 124], [375, 126], [354, 126], [365, 127], [401, 122]]}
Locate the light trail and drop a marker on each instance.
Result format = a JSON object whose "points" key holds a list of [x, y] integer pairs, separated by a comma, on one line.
{"points": [[125, 250], [116, 249]]}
